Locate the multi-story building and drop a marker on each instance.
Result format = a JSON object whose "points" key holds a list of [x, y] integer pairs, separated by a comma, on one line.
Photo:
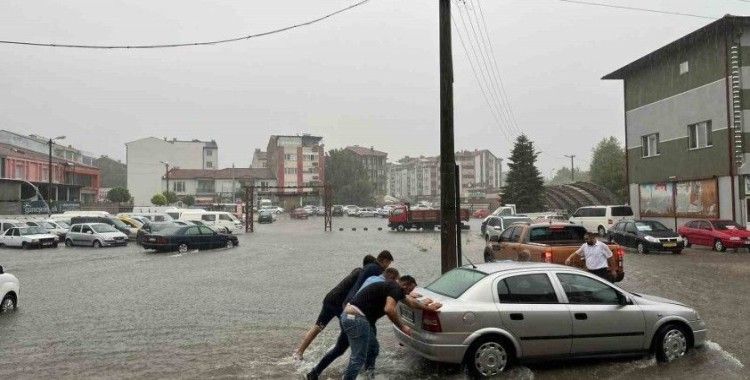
{"points": [[296, 161], [480, 173], [217, 186], [374, 162], [79, 167], [147, 160], [260, 159], [687, 147], [114, 173]]}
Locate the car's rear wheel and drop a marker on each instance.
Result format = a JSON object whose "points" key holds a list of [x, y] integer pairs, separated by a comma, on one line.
{"points": [[672, 343], [8, 303], [229, 243], [719, 246], [182, 248], [687, 243], [487, 357], [68, 243], [642, 248], [400, 228], [97, 244], [24, 245], [602, 231]]}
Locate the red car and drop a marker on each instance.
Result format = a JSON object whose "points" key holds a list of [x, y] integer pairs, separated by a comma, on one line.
{"points": [[481, 213], [718, 234], [299, 213]]}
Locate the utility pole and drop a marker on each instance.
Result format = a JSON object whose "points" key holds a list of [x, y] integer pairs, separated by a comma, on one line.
{"points": [[448, 230], [166, 176], [571, 166], [49, 173]]}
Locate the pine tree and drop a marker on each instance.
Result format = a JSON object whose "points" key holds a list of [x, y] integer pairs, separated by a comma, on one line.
{"points": [[524, 183]]}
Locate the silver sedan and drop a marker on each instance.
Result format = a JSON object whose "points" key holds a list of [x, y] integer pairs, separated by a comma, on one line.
{"points": [[496, 313]]}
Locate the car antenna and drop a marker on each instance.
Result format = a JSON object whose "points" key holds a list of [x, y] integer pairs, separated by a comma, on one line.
{"points": [[472, 264]]}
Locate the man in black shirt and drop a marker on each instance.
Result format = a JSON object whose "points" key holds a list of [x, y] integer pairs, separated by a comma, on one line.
{"points": [[342, 343], [359, 317], [332, 306]]}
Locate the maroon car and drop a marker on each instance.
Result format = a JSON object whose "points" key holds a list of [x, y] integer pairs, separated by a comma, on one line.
{"points": [[299, 213], [718, 234]]}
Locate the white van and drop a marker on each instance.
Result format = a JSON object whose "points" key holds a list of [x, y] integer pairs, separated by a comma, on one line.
{"points": [[219, 220], [5, 224], [70, 214], [600, 218]]}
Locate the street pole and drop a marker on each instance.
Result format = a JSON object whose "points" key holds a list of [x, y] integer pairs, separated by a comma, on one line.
{"points": [[448, 230], [571, 166], [49, 179]]}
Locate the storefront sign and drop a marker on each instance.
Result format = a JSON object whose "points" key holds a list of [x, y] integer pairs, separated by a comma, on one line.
{"points": [[692, 199]]}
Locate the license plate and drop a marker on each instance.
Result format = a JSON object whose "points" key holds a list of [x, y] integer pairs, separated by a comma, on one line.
{"points": [[151, 239], [407, 313], [46, 243], [670, 244]]}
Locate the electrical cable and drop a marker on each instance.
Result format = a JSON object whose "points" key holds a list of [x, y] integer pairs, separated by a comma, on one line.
{"points": [[637, 9], [175, 45]]}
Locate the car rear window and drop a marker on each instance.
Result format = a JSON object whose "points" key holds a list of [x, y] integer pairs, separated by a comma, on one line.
{"points": [[557, 234], [454, 283], [622, 211]]}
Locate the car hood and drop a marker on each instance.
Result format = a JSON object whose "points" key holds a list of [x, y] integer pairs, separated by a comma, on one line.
{"points": [[7, 277], [656, 299], [112, 235]]}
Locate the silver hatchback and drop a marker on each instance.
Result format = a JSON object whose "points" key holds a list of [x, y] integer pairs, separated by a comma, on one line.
{"points": [[95, 235], [496, 313]]}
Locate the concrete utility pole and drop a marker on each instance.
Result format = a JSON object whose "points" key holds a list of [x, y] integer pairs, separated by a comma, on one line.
{"points": [[49, 173], [571, 166], [166, 176], [448, 230]]}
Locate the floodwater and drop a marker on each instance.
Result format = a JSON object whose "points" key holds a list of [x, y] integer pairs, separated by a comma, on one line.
{"points": [[240, 312]]}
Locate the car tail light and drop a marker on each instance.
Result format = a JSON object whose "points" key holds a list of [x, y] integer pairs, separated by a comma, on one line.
{"points": [[609, 221], [548, 255], [621, 257], [431, 321]]}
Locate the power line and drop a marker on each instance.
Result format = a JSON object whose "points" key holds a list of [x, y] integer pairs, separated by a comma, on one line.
{"points": [[175, 45], [637, 9]]}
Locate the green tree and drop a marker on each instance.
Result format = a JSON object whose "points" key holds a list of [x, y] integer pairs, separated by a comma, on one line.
{"points": [[562, 176], [524, 183], [608, 167], [348, 177], [159, 199], [118, 195], [170, 196], [188, 200]]}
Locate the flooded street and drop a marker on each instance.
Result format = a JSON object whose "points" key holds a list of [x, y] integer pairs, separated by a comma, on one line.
{"points": [[240, 312]]}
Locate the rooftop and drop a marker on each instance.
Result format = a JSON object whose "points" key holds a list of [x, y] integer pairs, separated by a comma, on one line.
{"points": [[362, 151], [14, 151], [207, 144], [228, 173]]}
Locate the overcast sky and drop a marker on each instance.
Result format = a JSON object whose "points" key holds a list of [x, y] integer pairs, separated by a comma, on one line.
{"points": [[367, 77]]}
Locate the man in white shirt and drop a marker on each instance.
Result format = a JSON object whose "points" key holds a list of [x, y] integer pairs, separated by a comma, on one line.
{"points": [[598, 258]]}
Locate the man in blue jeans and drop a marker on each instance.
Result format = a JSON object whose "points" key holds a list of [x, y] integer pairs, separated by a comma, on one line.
{"points": [[359, 317]]}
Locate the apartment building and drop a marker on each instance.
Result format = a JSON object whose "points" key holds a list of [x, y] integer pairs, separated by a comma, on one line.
{"points": [[296, 161], [209, 186], [147, 160], [374, 162], [260, 159]]}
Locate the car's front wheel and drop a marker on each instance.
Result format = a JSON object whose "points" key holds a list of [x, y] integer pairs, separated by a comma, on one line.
{"points": [[182, 248], [68, 243], [642, 248], [97, 244], [671, 343], [719, 246], [8, 303], [487, 357]]}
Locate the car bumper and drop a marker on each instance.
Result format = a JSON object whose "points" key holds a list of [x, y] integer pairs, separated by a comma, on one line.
{"points": [[700, 332], [119, 243], [735, 243], [665, 246], [436, 352]]}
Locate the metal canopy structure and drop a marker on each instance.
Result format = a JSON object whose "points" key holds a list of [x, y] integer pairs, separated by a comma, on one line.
{"points": [[252, 191]]}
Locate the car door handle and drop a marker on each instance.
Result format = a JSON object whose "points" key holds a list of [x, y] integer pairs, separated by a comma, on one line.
{"points": [[581, 316], [516, 316]]}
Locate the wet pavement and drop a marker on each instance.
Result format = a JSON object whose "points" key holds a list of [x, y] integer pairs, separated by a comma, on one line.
{"points": [[240, 312]]}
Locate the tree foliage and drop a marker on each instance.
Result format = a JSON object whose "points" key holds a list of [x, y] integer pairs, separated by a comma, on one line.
{"points": [[188, 200], [170, 196], [562, 176], [608, 167], [348, 177], [524, 183], [159, 199], [118, 195]]}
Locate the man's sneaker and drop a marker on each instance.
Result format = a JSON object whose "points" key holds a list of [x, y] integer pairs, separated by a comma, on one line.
{"points": [[311, 376], [297, 356]]}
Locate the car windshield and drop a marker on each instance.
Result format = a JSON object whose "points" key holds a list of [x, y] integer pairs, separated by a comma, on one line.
{"points": [[557, 233], [48, 225], [119, 223], [454, 283], [726, 225], [648, 226], [31, 231], [63, 224], [102, 228]]}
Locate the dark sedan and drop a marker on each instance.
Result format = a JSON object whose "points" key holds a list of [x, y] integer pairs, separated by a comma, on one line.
{"points": [[183, 239], [265, 216], [646, 236]]}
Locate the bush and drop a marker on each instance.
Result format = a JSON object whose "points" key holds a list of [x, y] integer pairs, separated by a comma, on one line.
{"points": [[159, 200], [118, 195], [170, 196]]}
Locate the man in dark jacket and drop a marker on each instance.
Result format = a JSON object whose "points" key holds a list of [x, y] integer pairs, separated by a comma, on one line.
{"points": [[332, 306], [342, 343]]}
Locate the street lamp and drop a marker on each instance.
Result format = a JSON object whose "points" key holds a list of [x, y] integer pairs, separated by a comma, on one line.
{"points": [[49, 173], [166, 165]]}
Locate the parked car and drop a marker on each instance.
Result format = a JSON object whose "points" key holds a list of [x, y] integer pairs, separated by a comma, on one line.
{"points": [[183, 239], [600, 218], [350, 210], [496, 313], [9, 291], [298, 213], [265, 216], [646, 236], [366, 212], [95, 235], [715, 233], [337, 210], [496, 224], [481, 213], [153, 227], [384, 211], [118, 224], [58, 229], [218, 220], [131, 222], [28, 237], [8, 223], [154, 217]]}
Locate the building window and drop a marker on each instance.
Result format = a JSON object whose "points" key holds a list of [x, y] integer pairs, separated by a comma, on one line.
{"points": [[290, 170], [684, 68], [178, 187], [206, 186], [699, 135], [290, 157], [209, 152], [209, 164], [650, 145], [20, 171]]}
